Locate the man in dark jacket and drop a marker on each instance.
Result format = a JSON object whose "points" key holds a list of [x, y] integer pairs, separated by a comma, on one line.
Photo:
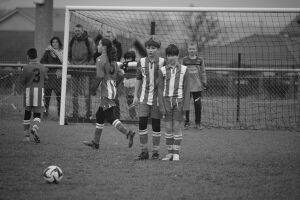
{"points": [[81, 51]]}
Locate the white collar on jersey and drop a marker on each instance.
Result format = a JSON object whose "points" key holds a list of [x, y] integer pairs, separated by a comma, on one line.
{"points": [[155, 59], [177, 65]]}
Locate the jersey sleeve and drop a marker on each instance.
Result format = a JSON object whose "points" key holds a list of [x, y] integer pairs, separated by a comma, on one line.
{"points": [[139, 75], [186, 82], [203, 73], [160, 92], [100, 68], [23, 77], [120, 74]]}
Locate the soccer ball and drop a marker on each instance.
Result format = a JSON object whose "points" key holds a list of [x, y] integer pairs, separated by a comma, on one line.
{"points": [[53, 174]]}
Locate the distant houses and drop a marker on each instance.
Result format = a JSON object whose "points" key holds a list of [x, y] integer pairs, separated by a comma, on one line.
{"points": [[258, 50], [292, 30], [17, 33]]}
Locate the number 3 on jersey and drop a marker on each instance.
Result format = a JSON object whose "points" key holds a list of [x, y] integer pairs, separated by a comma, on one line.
{"points": [[37, 77]]}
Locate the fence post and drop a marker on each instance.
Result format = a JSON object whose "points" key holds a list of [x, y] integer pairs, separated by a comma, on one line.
{"points": [[152, 29], [238, 90]]}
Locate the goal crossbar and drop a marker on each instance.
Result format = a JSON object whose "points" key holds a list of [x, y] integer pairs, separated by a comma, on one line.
{"points": [[182, 9]]}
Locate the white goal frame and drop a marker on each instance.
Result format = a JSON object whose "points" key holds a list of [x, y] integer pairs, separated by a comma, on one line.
{"points": [[126, 8]]}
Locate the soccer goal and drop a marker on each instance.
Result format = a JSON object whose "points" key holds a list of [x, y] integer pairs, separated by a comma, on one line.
{"points": [[252, 58]]}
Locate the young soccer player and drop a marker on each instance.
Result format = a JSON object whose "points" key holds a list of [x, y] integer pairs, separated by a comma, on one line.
{"points": [[33, 78], [197, 73], [108, 73], [174, 99], [146, 82], [129, 81]]}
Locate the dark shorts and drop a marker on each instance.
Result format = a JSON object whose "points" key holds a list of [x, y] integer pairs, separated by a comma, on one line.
{"points": [[174, 109], [103, 115], [35, 109], [151, 111]]}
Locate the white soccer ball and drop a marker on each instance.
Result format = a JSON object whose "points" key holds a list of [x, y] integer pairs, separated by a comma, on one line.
{"points": [[53, 174]]}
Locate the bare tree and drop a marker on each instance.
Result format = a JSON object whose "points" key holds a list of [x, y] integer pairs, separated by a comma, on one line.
{"points": [[205, 28]]}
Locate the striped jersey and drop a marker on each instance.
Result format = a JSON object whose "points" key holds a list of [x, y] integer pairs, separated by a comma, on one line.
{"points": [[109, 73], [174, 82], [33, 79], [147, 73], [197, 72]]}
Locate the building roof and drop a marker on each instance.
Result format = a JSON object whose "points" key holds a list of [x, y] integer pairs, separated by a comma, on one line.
{"points": [[29, 14], [17, 28], [256, 51], [14, 50]]}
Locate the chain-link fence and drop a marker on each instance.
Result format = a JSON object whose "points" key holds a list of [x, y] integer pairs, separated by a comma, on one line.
{"points": [[242, 99], [252, 99]]}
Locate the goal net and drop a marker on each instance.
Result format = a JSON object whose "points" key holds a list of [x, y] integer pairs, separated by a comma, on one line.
{"points": [[252, 59]]}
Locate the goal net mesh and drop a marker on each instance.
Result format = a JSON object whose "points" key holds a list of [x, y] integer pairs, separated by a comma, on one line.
{"points": [[262, 94]]}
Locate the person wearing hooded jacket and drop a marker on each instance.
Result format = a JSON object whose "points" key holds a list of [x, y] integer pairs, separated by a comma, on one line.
{"points": [[81, 51]]}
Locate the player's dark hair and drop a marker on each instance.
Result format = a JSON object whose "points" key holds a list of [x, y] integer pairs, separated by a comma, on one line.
{"points": [[153, 42], [111, 53], [130, 54], [32, 53], [172, 50], [79, 26], [140, 48], [98, 38], [58, 40]]}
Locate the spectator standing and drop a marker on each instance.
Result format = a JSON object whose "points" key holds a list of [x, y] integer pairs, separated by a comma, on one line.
{"points": [[53, 55], [81, 52]]}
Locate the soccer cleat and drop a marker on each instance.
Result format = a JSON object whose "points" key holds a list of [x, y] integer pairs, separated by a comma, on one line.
{"points": [[186, 125], [91, 144], [35, 135], [155, 156], [169, 157], [143, 156], [175, 157], [130, 137], [26, 139], [199, 127]]}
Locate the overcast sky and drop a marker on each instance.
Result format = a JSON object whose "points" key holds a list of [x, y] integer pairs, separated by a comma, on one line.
{"points": [[11, 4]]}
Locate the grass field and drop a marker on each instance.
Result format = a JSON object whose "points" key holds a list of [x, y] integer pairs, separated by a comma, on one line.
{"points": [[215, 164]]}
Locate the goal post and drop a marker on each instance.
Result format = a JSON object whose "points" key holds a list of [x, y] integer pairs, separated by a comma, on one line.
{"points": [[260, 35], [64, 68]]}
